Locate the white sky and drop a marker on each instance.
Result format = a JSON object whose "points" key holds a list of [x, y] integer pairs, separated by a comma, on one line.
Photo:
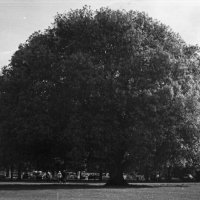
{"points": [[20, 18]]}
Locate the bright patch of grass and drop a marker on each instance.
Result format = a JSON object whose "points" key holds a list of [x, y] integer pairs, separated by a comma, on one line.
{"points": [[150, 191]]}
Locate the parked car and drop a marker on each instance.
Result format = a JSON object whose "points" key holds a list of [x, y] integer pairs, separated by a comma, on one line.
{"points": [[188, 177], [38, 175], [105, 176], [129, 177], [93, 176], [84, 175], [71, 175], [27, 175], [2, 175]]}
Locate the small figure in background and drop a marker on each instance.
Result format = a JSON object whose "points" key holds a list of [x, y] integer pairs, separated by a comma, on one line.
{"points": [[59, 176], [157, 177]]}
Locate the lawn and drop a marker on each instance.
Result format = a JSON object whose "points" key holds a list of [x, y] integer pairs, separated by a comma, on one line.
{"points": [[139, 191]]}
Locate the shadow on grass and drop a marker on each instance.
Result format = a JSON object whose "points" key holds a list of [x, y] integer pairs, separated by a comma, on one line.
{"points": [[50, 186]]}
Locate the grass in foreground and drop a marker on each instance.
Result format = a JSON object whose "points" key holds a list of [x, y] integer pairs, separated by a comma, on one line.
{"points": [[151, 191]]}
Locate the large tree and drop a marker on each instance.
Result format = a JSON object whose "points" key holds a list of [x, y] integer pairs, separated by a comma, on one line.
{"points": [[114, 87]]}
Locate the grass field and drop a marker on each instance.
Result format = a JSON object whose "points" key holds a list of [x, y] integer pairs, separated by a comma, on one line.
{"points": [[138, 191]]}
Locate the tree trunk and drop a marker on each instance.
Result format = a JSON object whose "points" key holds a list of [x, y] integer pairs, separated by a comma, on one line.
{"points": [[116, 177], [100, 174], [169, 173], [146, 176], [19, 172], [7, 171], [12, 169]]}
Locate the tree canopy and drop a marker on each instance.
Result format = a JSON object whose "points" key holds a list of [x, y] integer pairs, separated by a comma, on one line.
{"points": [[114, 88]]}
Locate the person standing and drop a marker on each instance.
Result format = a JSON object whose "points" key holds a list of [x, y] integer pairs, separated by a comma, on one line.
{"points": [[59, 176]]}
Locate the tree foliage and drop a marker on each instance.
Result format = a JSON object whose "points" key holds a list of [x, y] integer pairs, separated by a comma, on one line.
{"points": [[112, 87]]}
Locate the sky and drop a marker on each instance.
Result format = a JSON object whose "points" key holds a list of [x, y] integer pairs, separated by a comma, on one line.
{"points": [[20, 18]]}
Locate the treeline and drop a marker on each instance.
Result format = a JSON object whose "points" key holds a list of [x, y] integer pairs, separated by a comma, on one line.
{"points": [[109, 90]]}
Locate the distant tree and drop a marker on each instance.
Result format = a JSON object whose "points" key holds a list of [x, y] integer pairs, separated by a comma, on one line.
{"points": [[114, 87]]}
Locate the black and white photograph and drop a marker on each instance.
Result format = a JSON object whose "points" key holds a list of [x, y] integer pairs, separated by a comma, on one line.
{"points": [[99, 100]]}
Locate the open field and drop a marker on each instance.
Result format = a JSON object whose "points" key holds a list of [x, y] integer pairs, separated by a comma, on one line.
{"points": [[138, 191]]}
